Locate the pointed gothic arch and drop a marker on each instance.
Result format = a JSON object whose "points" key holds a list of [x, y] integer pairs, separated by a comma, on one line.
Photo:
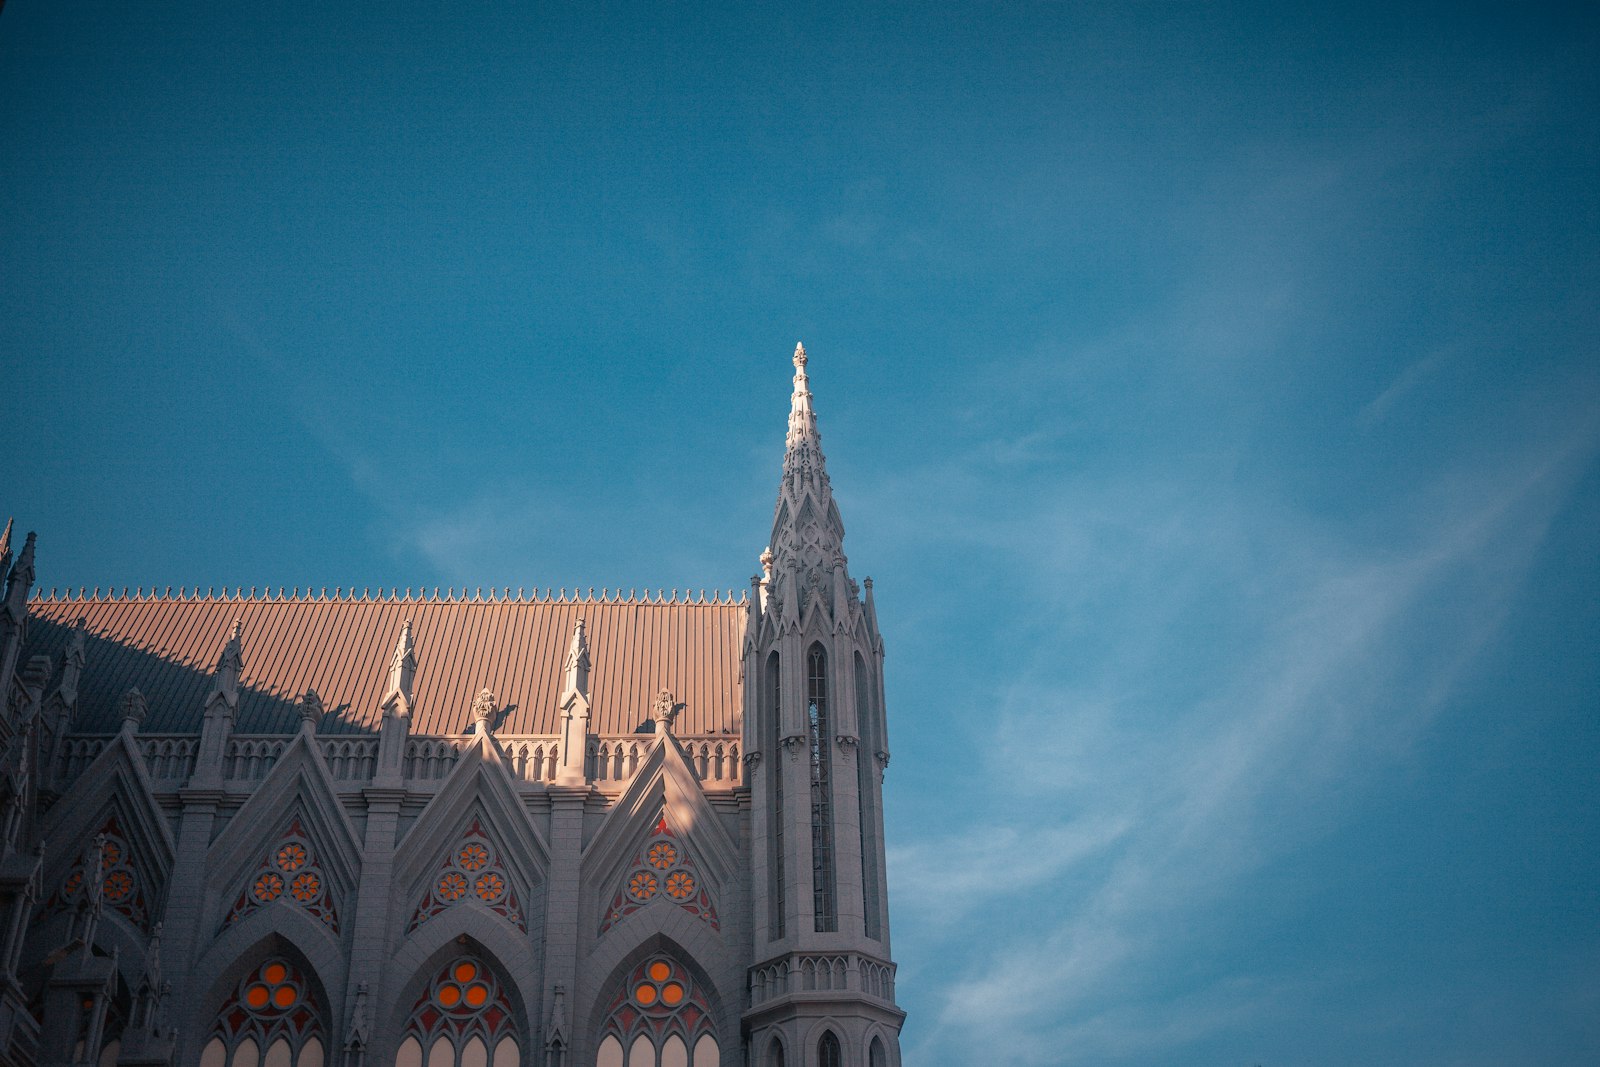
{"points": [[819, 727], [660, 1008], [268, 1006], [461, 1006]]}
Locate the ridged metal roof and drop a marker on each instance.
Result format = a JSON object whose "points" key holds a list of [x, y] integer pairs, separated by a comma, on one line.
{"points": [[168, 647]]}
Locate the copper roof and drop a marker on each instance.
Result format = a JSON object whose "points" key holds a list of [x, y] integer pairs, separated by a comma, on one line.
{"points": [[168, 647]]}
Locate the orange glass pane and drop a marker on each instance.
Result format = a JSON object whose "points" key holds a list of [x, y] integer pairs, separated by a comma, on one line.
{"points": [[466, 971], [291, 856], [452, 886], [671, 994], [645, 994], [274, 973], [268, 887], [285, 995], [476, 994], [257, 996], [473, 856], [450, 995], [660, 971]]}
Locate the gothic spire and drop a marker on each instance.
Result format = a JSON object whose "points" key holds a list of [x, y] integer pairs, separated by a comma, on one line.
{"points": [[229, 666], [577, 664], [806, 565]]}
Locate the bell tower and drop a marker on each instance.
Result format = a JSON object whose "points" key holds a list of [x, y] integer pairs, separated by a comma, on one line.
{"points": [[815, 732]]}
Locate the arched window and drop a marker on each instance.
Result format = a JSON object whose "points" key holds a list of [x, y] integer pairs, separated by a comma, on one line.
{"points": [[877, 1055], [271, 1019], [822, 883], [462, 1019], [660, 1018], [775, 1056], [866, 760], [828, 1052], [776, 896]]}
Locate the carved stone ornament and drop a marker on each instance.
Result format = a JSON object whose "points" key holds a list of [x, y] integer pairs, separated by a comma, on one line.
{"points": [[665, 709], [752, 758], [311, 709], [845, 741], [133, 707], [484, 706], [792, 743], [883, 758]]}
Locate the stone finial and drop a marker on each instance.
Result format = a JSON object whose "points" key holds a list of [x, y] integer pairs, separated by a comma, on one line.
{"points": [[230, 665], [402, 672], [311, 711], [20, 579], [356, 1036], [663, 711], [484, 707], [577, 663], [134, 709]]}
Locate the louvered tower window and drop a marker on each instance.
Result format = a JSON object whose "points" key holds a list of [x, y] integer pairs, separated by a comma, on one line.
{"points": [[822, 881], [868, 728]]}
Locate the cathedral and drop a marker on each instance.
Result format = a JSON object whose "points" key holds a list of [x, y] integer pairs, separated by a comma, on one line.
{"points": [[487, 829]]}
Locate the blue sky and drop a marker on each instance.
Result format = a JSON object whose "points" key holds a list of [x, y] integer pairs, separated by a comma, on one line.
{"points": [[1211, 391]]}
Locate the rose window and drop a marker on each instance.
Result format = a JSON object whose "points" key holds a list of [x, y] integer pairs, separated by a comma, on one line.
{"points": [[661, 867], [120, 885], [472, 865], [290, 874]]}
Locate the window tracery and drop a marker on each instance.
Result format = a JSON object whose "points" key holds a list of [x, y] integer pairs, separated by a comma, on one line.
{"points": [[829, 1054], [472, 870], [661, 869], [821, 738], [661, 1019], [121, 887], [292, 874], [270, 1019], [461, 1016]]}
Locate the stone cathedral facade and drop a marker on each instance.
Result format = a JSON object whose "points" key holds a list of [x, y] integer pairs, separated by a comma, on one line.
{"points": [[485, 830]]}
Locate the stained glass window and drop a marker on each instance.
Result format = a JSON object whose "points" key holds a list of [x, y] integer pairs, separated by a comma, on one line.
{"points": [[662, 870], [774, 748], [822, 883], [289, 873], [661, 1018], [462, 1019], [271, 1019], [472, 870], [121, 887]]}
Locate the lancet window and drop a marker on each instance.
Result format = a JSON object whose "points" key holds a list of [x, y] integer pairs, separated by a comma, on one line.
{"points": [[776, 892], [270, 1019], [462, 1019], [660, 1018], [662, 869], [829, 1054], [877, 1056], [822, 876], [473, 870], [866, 760], [121, 887], [290, 873]]}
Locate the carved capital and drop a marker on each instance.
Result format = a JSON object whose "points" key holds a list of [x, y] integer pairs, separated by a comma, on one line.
{"points": [[793, 743], [883, 758], [845, 741], [752, 758]]}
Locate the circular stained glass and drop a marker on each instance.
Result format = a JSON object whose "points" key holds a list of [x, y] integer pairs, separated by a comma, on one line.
{"points": [[111, 854], [118, 885], [268, 887], [490, 887], [465, 971], [257, 996], [680, 885], [661, 856], [645, 994], [660, 971], [306, 887], [285, 996], [274, 973], [642, 885], [476, 995], [291, 857], [671, 994], [453, 886], [273, 990], [450, 995], [473, 856]]}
